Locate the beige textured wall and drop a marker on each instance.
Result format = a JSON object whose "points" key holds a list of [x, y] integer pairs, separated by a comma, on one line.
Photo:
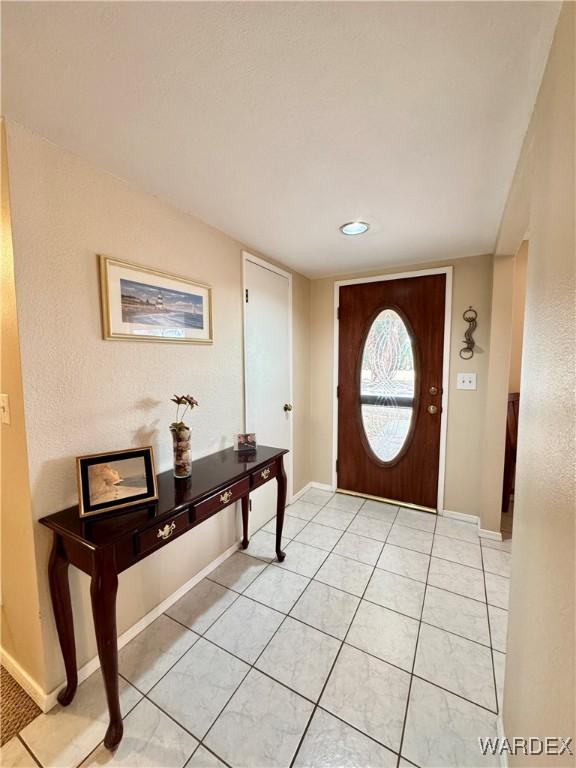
{"points": [[539, 689], [472, 285], [21, 634], [84, 394], [492, 466], [518, 302]]}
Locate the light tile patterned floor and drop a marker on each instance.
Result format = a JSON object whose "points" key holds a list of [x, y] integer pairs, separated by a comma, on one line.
{"points": [[380, 641]]}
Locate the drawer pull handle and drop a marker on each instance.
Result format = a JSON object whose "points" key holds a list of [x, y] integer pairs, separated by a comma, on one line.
{"points": [[226, 496], [167, 531], [265, 474]]}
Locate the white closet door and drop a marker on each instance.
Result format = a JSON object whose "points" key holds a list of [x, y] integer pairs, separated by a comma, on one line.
{"points": [[267, 370]]}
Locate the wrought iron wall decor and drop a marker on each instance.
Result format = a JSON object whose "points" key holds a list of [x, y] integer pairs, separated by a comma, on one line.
{"points": [[467, 352]]}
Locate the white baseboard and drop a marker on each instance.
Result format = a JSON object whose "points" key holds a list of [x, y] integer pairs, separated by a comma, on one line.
{"points": [[323, 486], [484, 533], [23, 679], [301, 492], [47, 700], [501, 735], [460, 516]]}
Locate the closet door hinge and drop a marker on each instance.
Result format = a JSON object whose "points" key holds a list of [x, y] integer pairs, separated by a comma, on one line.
{"points": [[338, 313], [337, 392], [336, 466], [246, 295]]}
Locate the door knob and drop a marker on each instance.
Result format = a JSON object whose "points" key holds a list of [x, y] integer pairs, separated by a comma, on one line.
{"points": [[432, 409], [287, 407]]}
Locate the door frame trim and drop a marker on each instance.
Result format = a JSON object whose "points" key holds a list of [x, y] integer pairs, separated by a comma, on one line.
{"points": [[448, 271], [247, 256]]}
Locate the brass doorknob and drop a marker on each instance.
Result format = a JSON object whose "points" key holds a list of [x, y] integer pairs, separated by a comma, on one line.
{"points": [[432, 409], [287, 407]]}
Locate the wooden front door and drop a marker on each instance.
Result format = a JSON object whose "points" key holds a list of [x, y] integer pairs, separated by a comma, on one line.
{"points": [[391, 337]]}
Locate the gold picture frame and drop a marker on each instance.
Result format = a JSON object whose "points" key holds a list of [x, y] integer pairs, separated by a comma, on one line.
{"points": [[115, 480], [168, 308]]}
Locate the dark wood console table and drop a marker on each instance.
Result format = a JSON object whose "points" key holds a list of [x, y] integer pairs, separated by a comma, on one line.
{"points": [[105, 546]]}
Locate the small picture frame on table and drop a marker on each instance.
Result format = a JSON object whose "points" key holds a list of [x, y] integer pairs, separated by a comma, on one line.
{"points": [[245, 442], [113, 481]]}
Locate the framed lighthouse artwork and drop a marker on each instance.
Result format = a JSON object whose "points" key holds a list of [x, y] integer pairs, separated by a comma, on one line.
{"points": [[143, 304]]}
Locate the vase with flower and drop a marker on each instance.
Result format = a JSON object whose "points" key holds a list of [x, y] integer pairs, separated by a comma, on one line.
{"points": [[181, 435]]}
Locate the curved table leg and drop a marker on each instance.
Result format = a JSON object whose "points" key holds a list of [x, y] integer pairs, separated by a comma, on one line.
{"points": [[103, 589], [61, 603], [245, 507], [280, 505]]}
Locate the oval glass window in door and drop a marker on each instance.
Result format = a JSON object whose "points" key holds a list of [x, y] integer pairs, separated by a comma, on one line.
{"points": [[387, 385]]}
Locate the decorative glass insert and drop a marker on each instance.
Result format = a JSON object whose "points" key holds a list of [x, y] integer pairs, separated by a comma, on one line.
{"points": [[387, 380]]}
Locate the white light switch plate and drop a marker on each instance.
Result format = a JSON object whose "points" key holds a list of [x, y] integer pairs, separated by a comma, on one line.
{"points": [[465, 381], [5, 409]]}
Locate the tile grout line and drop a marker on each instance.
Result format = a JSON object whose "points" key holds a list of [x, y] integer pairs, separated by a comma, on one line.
{"points": [[334, 665], [28, 749], [413, 663]]}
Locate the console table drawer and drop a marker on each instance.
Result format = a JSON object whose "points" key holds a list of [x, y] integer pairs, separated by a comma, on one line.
{"points": [[263, 475], [155, 537], [220, 500]]}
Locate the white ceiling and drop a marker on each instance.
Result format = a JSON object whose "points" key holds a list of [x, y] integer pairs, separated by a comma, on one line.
{"points": [[277, 122]]}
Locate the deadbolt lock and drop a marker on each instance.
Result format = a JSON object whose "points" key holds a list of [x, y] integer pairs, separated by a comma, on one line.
{"points": [[432, 409], [433, 390]]}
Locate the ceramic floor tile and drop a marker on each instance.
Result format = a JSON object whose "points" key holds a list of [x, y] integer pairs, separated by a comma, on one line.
{"points": [[202, 758], [371, 527], [326, 608], [198, 687], [65, 736], [303, 510], [459, 665], [442, 730], [151, 739], [300, 657], [396, 592], [346, 502], [330, 743], [498, 627], [202, 605], [410, 538], [302, 558], [150, 654], [411, 518], [237, 572], [14, 754], [497, 590], [245, 628], [359, 548], [457, 551], [277, 588], [261, 726], [497, 562], [334, 518], [383, 633], [369, 694], [499, 670], [379, 510], [454, 577], [405, 562], [321, 536], [343, 573], [263, 546], [458, 614], [316, 496], [291, 528], [457, 529]]}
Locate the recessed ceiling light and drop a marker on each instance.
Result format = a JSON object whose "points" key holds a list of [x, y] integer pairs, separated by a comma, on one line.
{"points": [[354, 228]]}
